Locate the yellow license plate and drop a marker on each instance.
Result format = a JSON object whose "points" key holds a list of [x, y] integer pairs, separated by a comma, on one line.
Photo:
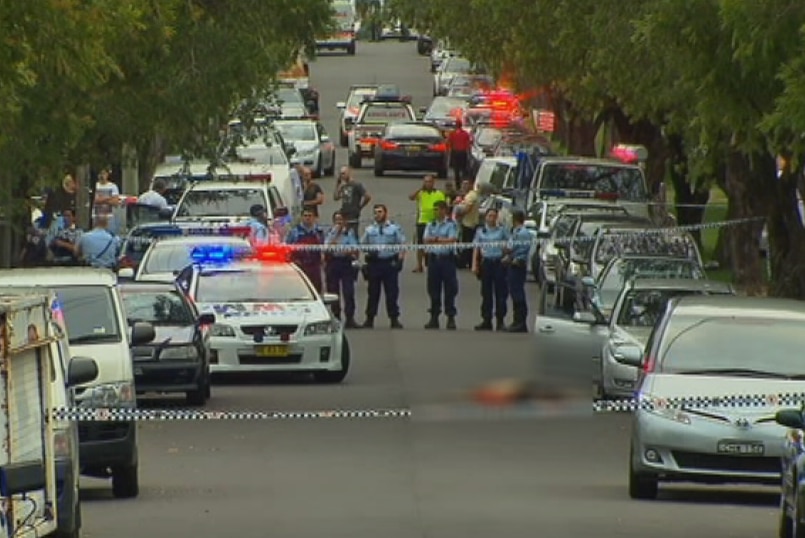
{"points": [[366, 147], [414, 149], [271, 351]]}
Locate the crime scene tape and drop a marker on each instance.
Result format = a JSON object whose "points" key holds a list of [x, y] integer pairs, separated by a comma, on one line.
{"points": [[676, 233], [535, 408]]}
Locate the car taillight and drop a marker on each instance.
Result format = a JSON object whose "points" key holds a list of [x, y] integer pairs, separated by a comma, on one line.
{"points": [[389, 145], [649, 364], [441, 147]]}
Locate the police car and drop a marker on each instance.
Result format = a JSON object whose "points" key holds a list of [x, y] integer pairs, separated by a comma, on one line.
{"points": [[269, 317], [376, 112]]}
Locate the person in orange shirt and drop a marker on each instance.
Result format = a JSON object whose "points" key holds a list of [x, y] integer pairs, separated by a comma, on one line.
{"points": [[459, 142]]}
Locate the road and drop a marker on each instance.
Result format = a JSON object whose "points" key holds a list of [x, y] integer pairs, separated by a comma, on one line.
{"points": [[440, 478]]}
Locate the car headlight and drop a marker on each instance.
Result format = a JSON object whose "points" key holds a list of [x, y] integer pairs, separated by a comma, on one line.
{"points": [[222, 330], [659, 408], [321, 327], [62, 443], [179, 353], [107, 395]]}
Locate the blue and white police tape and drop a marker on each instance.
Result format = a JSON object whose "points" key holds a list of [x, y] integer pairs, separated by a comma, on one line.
{"points": [[725, 402]]}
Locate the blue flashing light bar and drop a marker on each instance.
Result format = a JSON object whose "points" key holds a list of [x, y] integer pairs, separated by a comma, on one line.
{"points": [[217, 254]]}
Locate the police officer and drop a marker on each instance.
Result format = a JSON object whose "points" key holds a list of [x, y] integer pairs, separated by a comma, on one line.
{"points": [[442, 273], [383, 267], [308, 233], [257, 224], [99, 247], [487, 264], [516, 258], [339, 271]]}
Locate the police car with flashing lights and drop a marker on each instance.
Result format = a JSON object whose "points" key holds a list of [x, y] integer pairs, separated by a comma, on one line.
{"points": [[269, 317], [376, 112]]}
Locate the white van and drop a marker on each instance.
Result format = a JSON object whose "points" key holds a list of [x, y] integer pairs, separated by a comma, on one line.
{"points": [[96, 327]]}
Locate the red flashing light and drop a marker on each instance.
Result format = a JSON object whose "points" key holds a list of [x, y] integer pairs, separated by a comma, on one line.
{"points": [[385, 145], [126, 263], [606, 196], [272, 254], [625, 155], [648, 366], [440, 147]]}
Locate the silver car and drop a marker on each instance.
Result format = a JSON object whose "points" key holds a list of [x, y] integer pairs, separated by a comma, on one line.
{"points": [[720, 348], [636, 310], [449, 68], [350, 108], [312, 146]]}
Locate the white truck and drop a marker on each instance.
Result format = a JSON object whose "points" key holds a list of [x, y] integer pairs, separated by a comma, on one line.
{"points": [[28, 496]]}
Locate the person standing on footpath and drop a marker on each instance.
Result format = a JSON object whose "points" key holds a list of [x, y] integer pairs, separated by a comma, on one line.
{"points": [[459, 143], [308, 233], [383, 267], [442, 274], [468, 216], [425, 197], [517, 252], [312, 194], [353, 198], [487, 264], [339, 270]]}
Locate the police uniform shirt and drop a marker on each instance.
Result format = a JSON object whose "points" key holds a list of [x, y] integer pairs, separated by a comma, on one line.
{"points": [[520, 244], [300, 234], [99, 248], [387, 233], [486, 234], [446, 228], [259, 231], [343, 240]]}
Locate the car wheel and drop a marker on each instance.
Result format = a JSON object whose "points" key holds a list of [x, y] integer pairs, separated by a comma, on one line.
{"points": [[336, 376], [197, 397], [75, 532], [641, 485], [351, 50], [208, 387], [125, 482], [378, 169], [342, 138], [785, 528], [355, 161]]}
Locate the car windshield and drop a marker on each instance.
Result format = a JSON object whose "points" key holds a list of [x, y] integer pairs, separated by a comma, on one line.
{"points": [[89, 314], [221, 203], [413, 131], [488, 137], [167, 258], [623, 270], [742, 343], [358, 95], [297, 131], [443, 107], [279, 284], [642, 308], [165, 307], [289, 96], [260, 154], [387, 113], [623, 243], [628, 183], [458, 65]]}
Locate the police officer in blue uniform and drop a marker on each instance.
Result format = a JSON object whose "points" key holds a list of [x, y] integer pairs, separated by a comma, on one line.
{"points": [[442, 260], [257, 224], [487, 264], [383, 267], [308, 233], [516, 258], [339, 271]]}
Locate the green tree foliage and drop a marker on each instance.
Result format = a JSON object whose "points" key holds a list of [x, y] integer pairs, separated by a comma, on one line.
{"points": [[714, 88], [81, 77]]}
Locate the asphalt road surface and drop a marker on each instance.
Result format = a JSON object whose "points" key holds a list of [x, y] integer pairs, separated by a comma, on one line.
{"points": [[440, 477]]}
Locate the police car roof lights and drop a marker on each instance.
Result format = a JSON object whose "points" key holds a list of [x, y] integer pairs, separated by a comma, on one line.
{"points": [[272, 253], [217, 254], [628, 153]]}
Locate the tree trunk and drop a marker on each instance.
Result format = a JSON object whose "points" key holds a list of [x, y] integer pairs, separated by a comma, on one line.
{"points": [[151, 155], [747, 192], [786, 241]]}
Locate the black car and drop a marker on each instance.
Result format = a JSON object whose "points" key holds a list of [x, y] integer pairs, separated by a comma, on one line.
{"points": [[411, 146], [178, 359]]}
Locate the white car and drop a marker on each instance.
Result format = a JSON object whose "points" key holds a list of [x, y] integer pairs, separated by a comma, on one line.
{"points": [[269, 318], [166, 257], [312, 145]]}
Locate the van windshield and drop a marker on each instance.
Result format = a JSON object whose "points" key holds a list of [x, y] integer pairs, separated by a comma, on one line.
{"points": [[89, 314], [627, 182]]}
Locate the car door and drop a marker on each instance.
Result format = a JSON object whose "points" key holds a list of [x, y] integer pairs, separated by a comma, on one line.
{"points": [[568, 350]]}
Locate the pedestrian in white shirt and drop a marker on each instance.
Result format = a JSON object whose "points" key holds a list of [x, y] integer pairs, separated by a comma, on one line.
{"points": [[154, 196]]}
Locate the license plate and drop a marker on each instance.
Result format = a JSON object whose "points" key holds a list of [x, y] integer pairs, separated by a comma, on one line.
{"points": [[740, 448], [413, 149], [366, 147], [272, 351]]}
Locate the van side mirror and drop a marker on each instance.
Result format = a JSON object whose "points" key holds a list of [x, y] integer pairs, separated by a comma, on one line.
{"points": [[330, 298], [206, 318], [340, 105], [790, 418], [629, 355], [142, 333], [585, 317], [81, 370], [423, 110], [126, 273]]}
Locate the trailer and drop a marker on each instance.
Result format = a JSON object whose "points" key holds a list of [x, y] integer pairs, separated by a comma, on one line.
{"points": [[27, 454]]}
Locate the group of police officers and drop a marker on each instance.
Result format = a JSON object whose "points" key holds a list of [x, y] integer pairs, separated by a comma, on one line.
{"points": [[499, 261]]}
